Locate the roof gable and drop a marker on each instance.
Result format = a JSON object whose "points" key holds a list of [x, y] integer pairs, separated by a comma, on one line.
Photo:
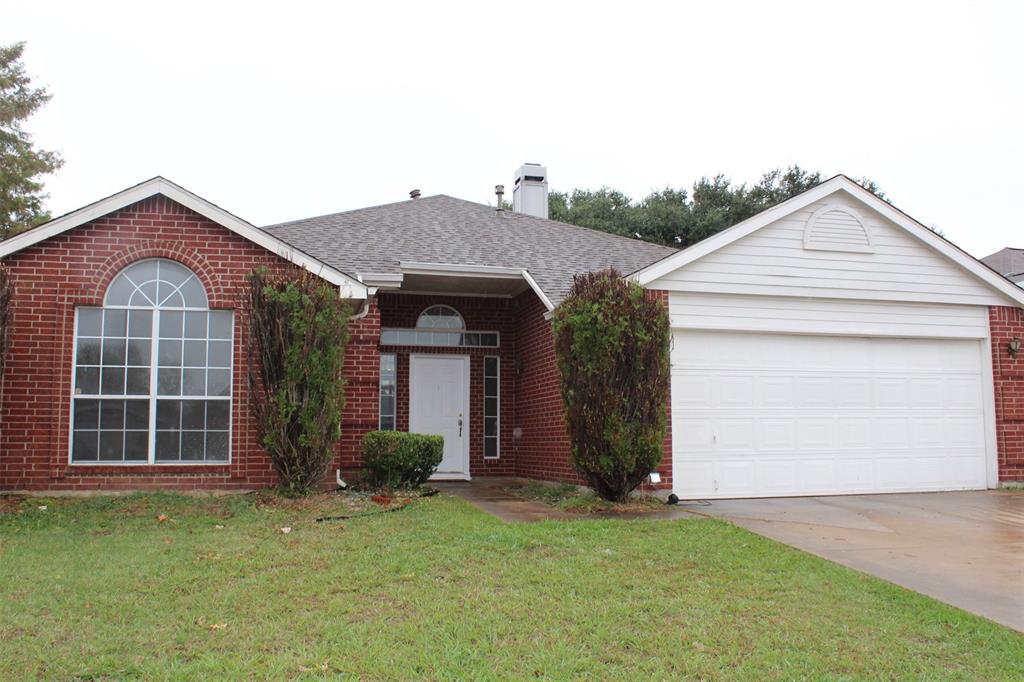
{"points": [[350, 287], [838, 196]]}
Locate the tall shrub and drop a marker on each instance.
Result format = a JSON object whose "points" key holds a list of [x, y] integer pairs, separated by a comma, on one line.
{"points": [[611, 345], [298, 332]]}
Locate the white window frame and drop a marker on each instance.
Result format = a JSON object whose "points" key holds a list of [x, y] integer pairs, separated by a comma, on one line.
{"points": [[153, 397], [497, 413], [380, 396]]}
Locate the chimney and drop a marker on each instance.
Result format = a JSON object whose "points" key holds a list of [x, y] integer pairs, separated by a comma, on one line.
{"points": [[530, 195], [499, 192], [415, 194]]}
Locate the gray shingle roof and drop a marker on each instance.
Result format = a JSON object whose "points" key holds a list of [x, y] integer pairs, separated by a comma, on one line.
{"points": [[443, 229]]}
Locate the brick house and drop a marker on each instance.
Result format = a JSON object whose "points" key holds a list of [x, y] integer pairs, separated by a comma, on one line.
{"points": [[828, 345]]}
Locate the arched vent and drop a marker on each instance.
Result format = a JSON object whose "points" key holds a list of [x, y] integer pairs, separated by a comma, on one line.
{"points": [[834, 228]]}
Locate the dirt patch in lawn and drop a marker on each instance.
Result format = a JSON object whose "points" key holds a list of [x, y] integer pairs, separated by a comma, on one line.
{"points": [[571, 499]]}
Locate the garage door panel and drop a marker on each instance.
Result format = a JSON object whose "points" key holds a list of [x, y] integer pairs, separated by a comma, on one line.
{"points": [[819, 415], [815, 433], [776, 392], [777, 475]]}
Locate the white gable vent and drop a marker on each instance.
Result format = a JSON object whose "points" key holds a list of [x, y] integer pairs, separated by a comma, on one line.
{"points": [[837, 228]]}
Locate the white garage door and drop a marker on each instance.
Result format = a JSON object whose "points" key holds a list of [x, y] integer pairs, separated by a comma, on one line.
{"points": [[771, 414]]}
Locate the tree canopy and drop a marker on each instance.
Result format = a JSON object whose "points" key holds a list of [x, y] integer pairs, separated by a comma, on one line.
{"points": [[21, 163], [677, 217]]}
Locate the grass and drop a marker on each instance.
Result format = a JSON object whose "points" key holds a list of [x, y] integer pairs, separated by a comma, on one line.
{"points": [[164, 586], [571, 498]]}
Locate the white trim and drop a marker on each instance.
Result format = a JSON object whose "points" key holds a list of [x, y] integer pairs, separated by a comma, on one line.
{"points": [[350, 288], [383, 280], [466, 430], [497, 414], [380, 396], [840, 183], [488, 271], [537, 290], [459, 270], [988, 402]]}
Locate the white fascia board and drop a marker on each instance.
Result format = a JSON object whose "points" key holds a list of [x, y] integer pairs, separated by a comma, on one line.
{"points": [[349, 287], [458, 270], [383, 280], [540, 292], [839, 183]]}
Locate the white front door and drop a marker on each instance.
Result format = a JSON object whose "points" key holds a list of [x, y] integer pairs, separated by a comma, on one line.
{"points": [[438, 405]]}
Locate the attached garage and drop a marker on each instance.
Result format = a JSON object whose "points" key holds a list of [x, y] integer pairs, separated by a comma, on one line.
{"points": [[830, 346]]}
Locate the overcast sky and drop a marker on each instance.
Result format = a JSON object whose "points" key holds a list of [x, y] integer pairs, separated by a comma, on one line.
{"points": [[291, 109]]}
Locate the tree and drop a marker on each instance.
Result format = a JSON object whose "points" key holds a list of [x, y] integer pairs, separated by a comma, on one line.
{"points": [[21, 164], [611, 346], [299, 330], [679, 218]]}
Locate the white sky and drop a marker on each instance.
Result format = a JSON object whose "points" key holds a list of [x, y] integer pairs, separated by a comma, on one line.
{"points": [[291, 109]]}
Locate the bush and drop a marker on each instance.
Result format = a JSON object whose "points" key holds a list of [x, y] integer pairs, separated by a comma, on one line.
{"points": [[611, 345], [396, 459], [298, 332]]}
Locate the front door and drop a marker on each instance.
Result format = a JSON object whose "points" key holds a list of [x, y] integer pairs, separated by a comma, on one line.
{"points": [[438, 404]]}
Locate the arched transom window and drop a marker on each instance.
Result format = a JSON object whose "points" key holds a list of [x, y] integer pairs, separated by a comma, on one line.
{"points": [[440, 317], [439, 326], [152, 372]]}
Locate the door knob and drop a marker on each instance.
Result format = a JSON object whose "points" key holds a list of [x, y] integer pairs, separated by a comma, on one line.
{"points": [[460, 427]]}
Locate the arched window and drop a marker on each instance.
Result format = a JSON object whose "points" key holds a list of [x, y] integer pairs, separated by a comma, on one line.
{"points": [[152, 371], [439, 326], [440, 317]]}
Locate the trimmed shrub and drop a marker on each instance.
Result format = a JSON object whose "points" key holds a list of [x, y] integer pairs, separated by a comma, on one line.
{"points": [[611, 345], [298, 330], [396, 459]]}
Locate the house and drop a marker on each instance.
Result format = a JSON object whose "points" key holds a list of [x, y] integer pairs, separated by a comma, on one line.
{"points": [[828, 345], [1008, 262]]}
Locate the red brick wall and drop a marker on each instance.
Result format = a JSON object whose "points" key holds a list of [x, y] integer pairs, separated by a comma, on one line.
{"points": [[74, 269], [543, 449], [480, 314], [1008, 375]]}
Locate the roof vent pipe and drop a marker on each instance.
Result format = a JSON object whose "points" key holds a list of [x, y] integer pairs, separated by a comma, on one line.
{"points": [[499, 192], [415, 194]]}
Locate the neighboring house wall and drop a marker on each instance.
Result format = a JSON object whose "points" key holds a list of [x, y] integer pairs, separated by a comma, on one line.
{"points": [[479, 314], [1008, 375], [73, 269], [773, 261]]}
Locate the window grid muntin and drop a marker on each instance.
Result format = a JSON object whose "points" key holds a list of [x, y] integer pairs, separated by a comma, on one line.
{"points": [[492, 407], [387, 411], [440, 317], [152, 398]]}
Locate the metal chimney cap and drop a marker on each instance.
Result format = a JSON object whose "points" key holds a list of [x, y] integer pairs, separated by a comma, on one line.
{"points": [[414, 194]]}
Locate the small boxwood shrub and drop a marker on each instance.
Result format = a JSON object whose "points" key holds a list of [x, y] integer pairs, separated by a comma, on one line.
{"points": [[396, 459]]}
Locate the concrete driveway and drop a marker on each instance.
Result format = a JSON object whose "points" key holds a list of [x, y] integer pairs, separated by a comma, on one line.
{"points": [[965, 548]]}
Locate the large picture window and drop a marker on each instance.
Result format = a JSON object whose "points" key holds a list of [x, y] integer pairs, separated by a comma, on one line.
{"points": [[152, 372]]}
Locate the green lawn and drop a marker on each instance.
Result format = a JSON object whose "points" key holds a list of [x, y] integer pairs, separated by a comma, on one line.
{"points": [[101, 588]]}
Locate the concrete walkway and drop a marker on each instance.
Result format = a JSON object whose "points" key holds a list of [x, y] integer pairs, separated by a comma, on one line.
{"points": [[965, 548]]}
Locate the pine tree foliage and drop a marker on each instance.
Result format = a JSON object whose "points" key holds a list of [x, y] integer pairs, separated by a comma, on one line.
{"points": [[22, 165]]}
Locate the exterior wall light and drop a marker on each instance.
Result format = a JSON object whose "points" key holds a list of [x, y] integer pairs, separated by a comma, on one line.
{"points": [[1014, 346]]}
